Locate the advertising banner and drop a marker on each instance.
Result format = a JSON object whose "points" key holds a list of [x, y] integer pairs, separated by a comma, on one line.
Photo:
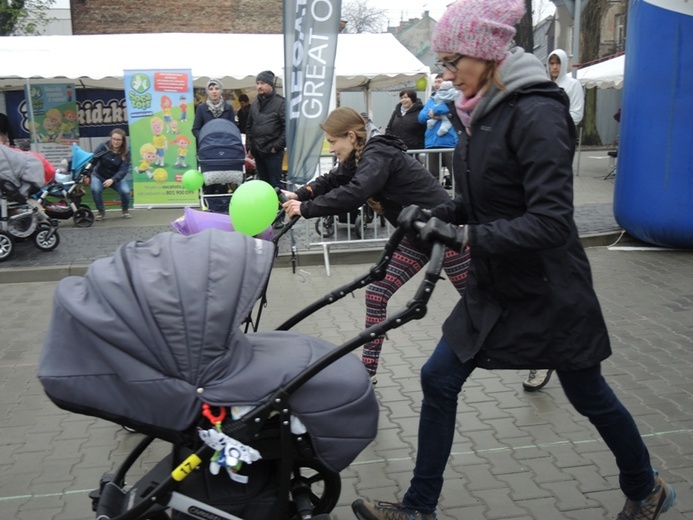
{"points": [[310, 46], [53, 123], [159, 106]]}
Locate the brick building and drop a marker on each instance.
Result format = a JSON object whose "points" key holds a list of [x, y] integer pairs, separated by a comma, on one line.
{"points": [[199, 16]]}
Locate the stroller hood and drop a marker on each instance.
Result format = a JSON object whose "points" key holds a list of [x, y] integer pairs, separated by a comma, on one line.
{"points": [[142, 331]]}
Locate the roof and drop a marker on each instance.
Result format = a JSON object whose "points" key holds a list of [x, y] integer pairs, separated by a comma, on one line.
{"points": [[98, 61], [607, 74]]}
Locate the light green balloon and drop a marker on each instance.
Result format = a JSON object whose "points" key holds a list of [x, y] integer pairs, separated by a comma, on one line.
{"points": [[192, 180], [253, 208], [421, 84]]}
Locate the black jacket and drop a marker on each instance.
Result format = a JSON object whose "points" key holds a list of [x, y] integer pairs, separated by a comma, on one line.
{"points": [[203, 115], [385, 173], [529, 301], [407, 126], [109, 165], [266, 126]]}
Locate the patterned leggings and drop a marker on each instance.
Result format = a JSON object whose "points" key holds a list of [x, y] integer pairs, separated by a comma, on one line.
{"points": [[407, 260]]}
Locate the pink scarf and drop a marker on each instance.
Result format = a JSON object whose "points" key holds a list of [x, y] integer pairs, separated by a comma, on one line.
{"points": [[465, 107]]}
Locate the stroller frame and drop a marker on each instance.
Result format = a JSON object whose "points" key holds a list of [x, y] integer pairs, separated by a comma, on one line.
{"points": [[265, 428], [45, 235], [71, 193]]}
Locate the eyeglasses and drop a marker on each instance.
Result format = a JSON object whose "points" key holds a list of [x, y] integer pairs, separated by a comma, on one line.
{"points": [[451, 65]]}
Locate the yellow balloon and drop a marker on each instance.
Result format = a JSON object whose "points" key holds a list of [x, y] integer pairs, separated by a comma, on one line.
{"points": [[421, 84]]}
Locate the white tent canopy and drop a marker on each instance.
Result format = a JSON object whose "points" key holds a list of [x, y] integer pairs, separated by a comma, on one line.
{"points": [[364, 61], [607, 74]]}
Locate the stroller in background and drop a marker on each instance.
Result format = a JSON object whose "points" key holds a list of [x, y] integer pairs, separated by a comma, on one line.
{"points": [[21, 217], [62, 197], [178, 362], [221, 157]]}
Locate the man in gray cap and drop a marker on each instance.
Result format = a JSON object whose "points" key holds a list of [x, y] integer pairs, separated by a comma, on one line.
{"points": [[266, 130]]}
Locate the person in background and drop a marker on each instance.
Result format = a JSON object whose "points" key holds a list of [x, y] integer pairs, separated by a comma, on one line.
{"points": [[431, 115], [558, 72], [111, 163], [48, 168], [6, 128], [243, 112], [265, 137], [529, 300], [376, 171], [214, 107], [404, 122]]}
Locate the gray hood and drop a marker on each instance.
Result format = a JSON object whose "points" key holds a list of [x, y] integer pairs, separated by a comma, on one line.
{"points": [[518, 70]]}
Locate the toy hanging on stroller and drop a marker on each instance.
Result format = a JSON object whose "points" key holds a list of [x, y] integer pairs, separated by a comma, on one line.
{"points": [[261, 424], [62, 197], [21, 175], [221, 157]]}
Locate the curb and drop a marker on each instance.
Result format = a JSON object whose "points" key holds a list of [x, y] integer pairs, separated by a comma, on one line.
{"points": [[303, 259]]}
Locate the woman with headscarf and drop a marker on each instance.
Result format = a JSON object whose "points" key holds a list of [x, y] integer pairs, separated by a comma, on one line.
{"points": [[214, 107], [529, 300]]}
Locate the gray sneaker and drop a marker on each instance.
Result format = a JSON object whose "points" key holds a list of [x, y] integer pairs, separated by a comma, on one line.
{"points": [[100, 215], [537, 379], [365, 510], [658, 501], [126, 214]]}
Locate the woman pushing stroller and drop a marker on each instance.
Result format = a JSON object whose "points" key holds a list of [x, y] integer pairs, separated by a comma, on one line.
{"points": [[379, 172]]}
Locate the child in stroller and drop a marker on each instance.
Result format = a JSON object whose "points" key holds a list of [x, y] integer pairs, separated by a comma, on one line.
{"points": [[21, 217], [295, 409], [221, 157], [61, 198]]}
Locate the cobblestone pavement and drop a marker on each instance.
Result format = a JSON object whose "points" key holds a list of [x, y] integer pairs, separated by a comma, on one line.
{"points": [[516, 455]]}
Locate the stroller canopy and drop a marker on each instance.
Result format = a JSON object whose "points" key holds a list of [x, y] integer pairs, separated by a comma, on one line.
{"points": [[148, 335], [23, 170]]}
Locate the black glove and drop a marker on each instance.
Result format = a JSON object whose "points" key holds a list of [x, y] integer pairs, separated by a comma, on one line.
{"points": [[411, 214], [435, 230]]}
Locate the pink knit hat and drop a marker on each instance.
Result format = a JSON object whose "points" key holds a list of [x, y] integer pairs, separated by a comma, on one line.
{"points": [[478, 28]]}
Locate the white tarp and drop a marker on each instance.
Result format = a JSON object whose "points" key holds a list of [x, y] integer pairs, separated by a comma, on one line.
{"points": [[364, 61], [607, 74]]}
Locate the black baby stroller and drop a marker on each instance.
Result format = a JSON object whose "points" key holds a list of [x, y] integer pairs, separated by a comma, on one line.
{"points": [[295, 408], [21, 218], [62, 197], [221, 157]]}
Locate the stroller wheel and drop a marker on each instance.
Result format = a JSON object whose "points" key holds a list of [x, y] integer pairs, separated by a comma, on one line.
{"points": [[44, 240], [83, 217], [324, 226], [6, 246], [318, 484], [358, 222]]}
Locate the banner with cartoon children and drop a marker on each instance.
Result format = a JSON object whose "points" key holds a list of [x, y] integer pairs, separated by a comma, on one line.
{"points": [[53, 122], [161, 141]]}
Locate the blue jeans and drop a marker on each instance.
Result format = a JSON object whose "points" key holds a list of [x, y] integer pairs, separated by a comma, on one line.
{"points": [[442, 377], [269, 167], [121, 187]]}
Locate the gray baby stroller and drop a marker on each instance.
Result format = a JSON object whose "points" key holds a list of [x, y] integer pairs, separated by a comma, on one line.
{"points": [[21, 218], [260, 424]]}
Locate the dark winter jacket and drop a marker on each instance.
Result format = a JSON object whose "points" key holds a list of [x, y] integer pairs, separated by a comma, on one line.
{"points": [[385, 173], [407, 126], [204, 115], [109, 165], [266, 126], [529, 301]]}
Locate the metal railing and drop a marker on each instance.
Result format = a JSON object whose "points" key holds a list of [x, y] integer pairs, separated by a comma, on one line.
{"points": [[362, 228]]}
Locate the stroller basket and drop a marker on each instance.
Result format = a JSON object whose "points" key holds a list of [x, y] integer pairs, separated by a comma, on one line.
{"points": [[305, 406]]}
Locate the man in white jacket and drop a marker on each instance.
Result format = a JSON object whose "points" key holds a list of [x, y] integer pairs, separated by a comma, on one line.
{"points": [[558, 72]]}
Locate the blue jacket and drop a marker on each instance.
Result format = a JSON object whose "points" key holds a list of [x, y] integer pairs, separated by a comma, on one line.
{"points": [[432, 139]]}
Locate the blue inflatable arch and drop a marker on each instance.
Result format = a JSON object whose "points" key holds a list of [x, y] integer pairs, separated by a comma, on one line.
{"points": [[653, 197]]}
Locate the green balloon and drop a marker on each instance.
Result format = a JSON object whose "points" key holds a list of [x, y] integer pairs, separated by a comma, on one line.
{"points": [[193, 180], [421, 84], [253, 208]]}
